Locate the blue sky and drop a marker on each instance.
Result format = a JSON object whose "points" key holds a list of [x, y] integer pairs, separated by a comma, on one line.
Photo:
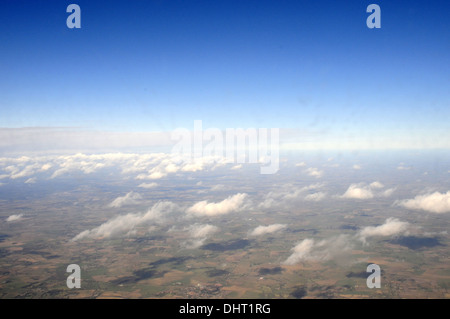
{"points": [[158, 65]]}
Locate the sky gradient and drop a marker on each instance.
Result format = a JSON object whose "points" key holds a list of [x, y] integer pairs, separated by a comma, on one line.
{"points": [[313, 66]]}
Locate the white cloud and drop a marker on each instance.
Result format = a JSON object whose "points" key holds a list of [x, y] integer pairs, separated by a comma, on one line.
{"points": [[193, 243], [358, 192], [436, 202], [14, 218], [364, 191], [230, 204], [218, 187], [310, 250], [262, 230], [391, 227], [315, 172], [46, 167], [301, 164], [239, 166], [388, 192], [315, 197], [150, 166], [356, 167], [288, 195], [31, 180], [301, 252], [126, 224], [148, 185], [199, 233], [129, 199], [376, 185]]}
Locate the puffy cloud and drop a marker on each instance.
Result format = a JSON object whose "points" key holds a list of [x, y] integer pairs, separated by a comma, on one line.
{"points": [[129, 199], [126, 224], [315, 197], [356, 167], [289, 195], [46, 167], [315, 172], [199, 233], [301, 251], [388, 192], [262, 230], [301, 164], [376, 185], [14, 218], [150, 166], [148, 185], [391, 227], [364, 191], [230, 204], [311, 250], [358, 192], [436, 202]]}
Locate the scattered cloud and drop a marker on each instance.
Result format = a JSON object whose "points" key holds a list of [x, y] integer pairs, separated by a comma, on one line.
{"points": [[148, 185], [151, 166], [301, 164], [376, 185], [228, 205], [314, 172], [315, 197], [301, 251], [129, 199], [14, 218], [364, 191], [199, 233], [288, 195], [436, 202], [126, 224], [391, 227], [358, 192], [356, 167], [263, 230], [311, 250]]}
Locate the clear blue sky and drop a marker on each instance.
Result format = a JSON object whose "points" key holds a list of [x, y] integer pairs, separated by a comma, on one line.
{"points": [[158, 65]]}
